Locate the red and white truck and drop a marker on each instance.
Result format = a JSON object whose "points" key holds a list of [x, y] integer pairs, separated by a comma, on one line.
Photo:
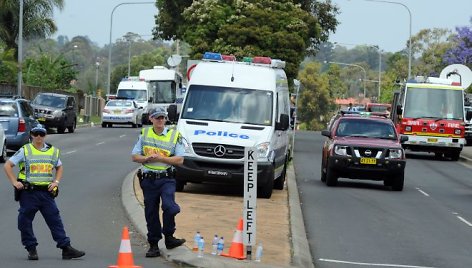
{"points": [[431, 113]]}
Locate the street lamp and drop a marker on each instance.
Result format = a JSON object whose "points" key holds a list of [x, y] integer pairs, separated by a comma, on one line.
{"points": [[97, 65], [380, 61], [111, 30], [409, 42], [355, 65], [20, 48]]}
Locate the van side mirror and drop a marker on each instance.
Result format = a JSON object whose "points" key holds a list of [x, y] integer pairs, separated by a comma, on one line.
{"points": [[403, 138], [468, 115], [326, 133], [172, 113], [399, 110], [150, 99], [283, 123]]}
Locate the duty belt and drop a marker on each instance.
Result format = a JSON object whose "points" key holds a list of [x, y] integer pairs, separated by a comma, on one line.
{"points": [[158, 175]]}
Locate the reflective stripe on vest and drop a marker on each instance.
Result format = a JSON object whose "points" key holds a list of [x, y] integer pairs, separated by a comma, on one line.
{"points": [[38, 165], [158, 144]]}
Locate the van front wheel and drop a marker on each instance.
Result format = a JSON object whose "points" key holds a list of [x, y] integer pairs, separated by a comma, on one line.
{"points": [[179, 185], [265, 191]]}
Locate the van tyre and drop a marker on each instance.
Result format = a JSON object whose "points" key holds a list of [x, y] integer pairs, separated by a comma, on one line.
{"points": [[179, 185], [265, 191], [398, 181], [3, 156], [331, 177], [279, 183]]}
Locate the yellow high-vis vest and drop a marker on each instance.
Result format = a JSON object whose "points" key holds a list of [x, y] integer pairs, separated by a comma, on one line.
{"points": [[158, 144], [38, 166]]}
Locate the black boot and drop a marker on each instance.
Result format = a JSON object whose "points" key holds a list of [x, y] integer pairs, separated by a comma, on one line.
{"points": [[153, 251], [69, 252], [32, 254], [172, 242]]}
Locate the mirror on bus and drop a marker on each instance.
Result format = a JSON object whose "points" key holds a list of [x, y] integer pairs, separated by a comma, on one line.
{"points": [[399, 109], [172, 113], [468, 115]]}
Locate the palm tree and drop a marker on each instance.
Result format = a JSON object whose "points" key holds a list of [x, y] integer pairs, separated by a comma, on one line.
{"points": [[37, 20]]}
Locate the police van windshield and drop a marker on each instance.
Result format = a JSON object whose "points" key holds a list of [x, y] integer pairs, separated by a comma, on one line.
{"points": [[434, 103], [132, 94], [224, 104], [163, 91]]}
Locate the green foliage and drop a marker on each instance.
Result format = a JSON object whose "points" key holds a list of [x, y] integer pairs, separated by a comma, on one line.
{"points": [[315, 103], [47, 71], [8, 67]]}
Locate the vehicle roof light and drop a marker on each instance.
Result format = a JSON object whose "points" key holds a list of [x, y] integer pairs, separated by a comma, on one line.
{"points": [[441, 81], [262, 60], [212, 56], [228, 57], [247, 59], [276, 63]]}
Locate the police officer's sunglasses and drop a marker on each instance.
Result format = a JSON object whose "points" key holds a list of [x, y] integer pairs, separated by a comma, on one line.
{"points": [[42, 134]]}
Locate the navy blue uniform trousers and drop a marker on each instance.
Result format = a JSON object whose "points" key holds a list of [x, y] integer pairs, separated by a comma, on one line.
{"points": [[32, 202], [155, 190]]}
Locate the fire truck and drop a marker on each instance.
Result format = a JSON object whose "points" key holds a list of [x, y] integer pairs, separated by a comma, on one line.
{"points": [[430, 111]]}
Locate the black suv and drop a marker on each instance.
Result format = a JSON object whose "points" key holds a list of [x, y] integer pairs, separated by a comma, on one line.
{"points": [[363, 146], [56, 110]]}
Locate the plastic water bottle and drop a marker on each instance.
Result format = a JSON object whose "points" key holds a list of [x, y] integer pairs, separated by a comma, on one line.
{"points": [[259, 252], [214, 245], [196, 239], [201, 247], [220, 246]]}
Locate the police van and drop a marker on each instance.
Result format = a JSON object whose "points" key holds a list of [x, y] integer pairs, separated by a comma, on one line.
{"points": [[231, 105], [136, 89]]}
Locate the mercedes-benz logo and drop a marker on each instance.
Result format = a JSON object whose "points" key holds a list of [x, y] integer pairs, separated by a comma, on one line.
{"points": [[219, 151], [368, 152]]}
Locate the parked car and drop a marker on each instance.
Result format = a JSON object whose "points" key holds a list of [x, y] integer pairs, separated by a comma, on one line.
{"points": [[3, 145], [468, 125], [366, 147], [17, 119], [122, 111], [56, 111]]}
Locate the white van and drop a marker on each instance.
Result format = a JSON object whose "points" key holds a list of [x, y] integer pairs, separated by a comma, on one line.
{"points": [[165, 88], [134, 88], [230, 105]]}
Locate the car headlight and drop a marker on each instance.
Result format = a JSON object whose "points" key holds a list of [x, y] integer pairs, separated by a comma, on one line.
{"points": [[408, 128], [340, 150], [57, 113], [395, 153], [457, 131], [263, 151], [186, 144]]}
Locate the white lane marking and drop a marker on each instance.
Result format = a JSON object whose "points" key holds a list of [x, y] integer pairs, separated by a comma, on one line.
{"points": [[421, 191], [100, 143], [121, 136], [464, 221], [375, 264], [70, 152]]}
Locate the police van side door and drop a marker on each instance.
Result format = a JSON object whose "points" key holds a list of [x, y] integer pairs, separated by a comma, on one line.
{"points": [[280, 136]]}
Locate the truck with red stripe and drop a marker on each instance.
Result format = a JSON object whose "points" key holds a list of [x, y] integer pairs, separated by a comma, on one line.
{"points": [[431, 113]]}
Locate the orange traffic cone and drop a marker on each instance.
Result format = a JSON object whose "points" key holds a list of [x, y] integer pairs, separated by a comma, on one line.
{"points": [[236, 250], [125, 256]]}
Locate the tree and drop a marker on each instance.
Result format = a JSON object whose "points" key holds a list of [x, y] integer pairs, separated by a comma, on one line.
{"points": [[37, 20], [278, 29], [315, 103], [48, 71], [461, 51], [8, 66]]}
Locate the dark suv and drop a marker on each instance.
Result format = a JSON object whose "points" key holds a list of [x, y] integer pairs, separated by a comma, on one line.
{"points": [[17, 119], [363, 146], [56, 110]]}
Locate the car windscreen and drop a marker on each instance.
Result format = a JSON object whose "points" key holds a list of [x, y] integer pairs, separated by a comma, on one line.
{"points": [[8, 109], [139, 95], [119, 103], [236, 105], [50, 100], [365, 128]]}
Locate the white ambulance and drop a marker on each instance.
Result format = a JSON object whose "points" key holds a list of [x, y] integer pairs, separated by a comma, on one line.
{"points": [[230, 105]]}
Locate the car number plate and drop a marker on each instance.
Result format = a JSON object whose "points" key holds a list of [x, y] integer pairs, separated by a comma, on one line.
{"points": [[42, 119], [218, 173], [117, 111], [368, 161], [432, 140]]}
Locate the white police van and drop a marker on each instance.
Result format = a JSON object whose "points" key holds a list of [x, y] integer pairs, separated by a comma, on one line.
{"points": [[135, 89], [230, 105]]}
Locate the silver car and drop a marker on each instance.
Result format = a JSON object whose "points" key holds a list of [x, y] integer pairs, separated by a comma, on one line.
{"points": [[123, 112]]}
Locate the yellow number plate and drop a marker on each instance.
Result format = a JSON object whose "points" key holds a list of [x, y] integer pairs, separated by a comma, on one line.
{"points": [[117, 111], [368, 161], [41, 119], [432, 140]]}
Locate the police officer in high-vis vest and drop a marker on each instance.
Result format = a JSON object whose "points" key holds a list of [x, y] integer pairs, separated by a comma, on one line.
{"points": [[158, 149], [35, 188]]}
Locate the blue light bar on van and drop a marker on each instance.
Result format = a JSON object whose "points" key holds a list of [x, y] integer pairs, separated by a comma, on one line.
{"points": [[212, 56]]}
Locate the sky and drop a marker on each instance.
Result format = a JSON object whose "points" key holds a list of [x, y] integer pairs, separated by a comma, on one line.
{"points": [[362, 22]]}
